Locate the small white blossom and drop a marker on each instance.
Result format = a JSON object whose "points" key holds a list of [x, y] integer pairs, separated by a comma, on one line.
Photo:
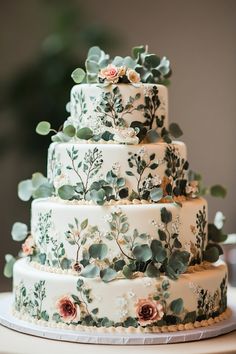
{"points": [[116, 168], [108, 218], [192, 189], [125, 136]]}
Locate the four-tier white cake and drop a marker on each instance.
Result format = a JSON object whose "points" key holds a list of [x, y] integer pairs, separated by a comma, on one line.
{"points": [[119, 235]]}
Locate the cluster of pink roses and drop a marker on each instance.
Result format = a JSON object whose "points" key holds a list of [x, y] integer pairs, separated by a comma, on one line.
{"points": [[113, 74], [28, 246]]}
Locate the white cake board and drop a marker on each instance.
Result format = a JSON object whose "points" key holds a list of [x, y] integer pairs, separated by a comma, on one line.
{"points": [[8, 320]]}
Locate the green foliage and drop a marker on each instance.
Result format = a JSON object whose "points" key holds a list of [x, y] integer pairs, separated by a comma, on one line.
{"points": [[156, 194], [152, 271], [152, 68], [69, 131], [90, 271], [211, 254], [66, 192], [218, 191], [177, 306], [98, 250], [84, 133], [9, 263], [43, 128], [142, 253], [37, 187], [19, 231], [108, 274], [78, 75], [175, 130]]}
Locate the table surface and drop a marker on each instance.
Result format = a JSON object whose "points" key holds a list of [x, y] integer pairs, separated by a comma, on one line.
{"points": [[12, 342]]}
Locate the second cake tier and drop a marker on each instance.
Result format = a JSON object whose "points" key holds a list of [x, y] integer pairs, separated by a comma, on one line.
{"points": [[69, 235], [118, 171]]}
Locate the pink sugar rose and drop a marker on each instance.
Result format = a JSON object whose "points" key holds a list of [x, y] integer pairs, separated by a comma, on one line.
{"points": [[28, 246], [110, 73], [149, 311], [67, 309]]}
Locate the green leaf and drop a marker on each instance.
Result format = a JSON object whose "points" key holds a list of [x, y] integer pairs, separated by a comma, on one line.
{"points": [[108, 274], [25, 190], [8, 268], [175, 130], [92, 67], [69, 130], [136, 51], [38, 179], [218, 191], [142, 253], [129, 173], [158, 252], [156, 194], [76, 299], [153, 166], [98, 196], [98, 250], [19, 231], [78, 75], [211, 254], [152, 136], [127, 271], [90, 271], [66, 192], [152, 271], [215, 235], [177, 306], [152, 60], [166, 216], [84, 224], [43, 191], [43, 128], [190, 317], [118, 265], [95, 311], [162, 235], [79, 284], [85, 133]]}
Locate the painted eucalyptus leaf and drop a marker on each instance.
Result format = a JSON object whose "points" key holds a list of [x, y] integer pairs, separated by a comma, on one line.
{"points": [[19, 231], [166, 215], [108, 274], [177, 306], [98, 250], [8, 268], [90, 271], [142, 253], [78, 75], [152, 136], [43, 128]]}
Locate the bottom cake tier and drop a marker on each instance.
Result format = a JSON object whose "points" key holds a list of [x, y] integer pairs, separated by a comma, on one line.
{"points": [[198, 298]]}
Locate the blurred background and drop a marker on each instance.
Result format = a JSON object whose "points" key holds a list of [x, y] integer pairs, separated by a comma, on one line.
{"points": [[43, 41]]}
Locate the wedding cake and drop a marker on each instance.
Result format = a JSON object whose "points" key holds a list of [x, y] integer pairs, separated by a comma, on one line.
{"points": [[119, 237]]}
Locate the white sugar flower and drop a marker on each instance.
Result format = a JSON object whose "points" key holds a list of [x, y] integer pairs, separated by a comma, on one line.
{"points": [[116, 168], [192, 189], [125, 136]]}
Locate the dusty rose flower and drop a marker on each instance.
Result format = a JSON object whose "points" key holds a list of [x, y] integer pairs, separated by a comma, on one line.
{"points": [[133, 76], [149, 311], [28, 246], [67, 309], [110, 73]]}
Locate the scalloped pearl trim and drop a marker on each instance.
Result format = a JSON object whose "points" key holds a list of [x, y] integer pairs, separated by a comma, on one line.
{"points": [[172, 328]]}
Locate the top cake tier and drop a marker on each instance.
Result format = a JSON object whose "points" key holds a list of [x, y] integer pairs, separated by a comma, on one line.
{"points": [[123, 113]]}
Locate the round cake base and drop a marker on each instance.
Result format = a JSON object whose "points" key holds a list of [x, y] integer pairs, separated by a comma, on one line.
{"points": [[8, 320]]}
